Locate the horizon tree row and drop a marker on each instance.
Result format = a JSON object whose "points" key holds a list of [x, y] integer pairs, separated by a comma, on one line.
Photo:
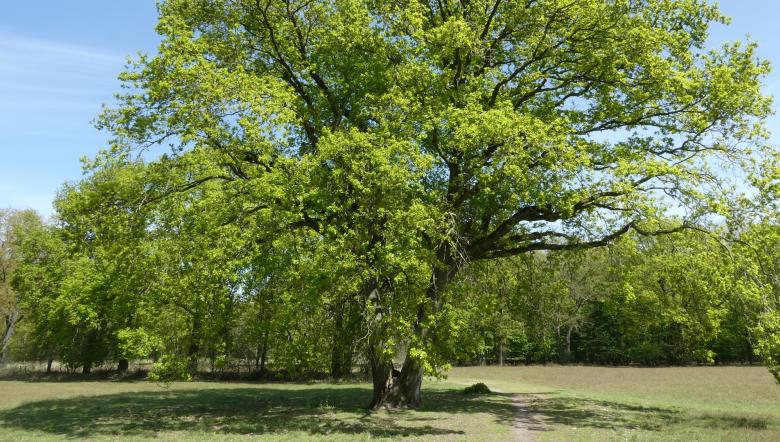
{"points": [[195, 295]]}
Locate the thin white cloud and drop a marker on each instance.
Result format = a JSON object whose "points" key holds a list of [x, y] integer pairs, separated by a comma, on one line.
{"points": [[51, 71], [50, 91], [23, 87], [47, 104], [27, 44], [45, 76]]}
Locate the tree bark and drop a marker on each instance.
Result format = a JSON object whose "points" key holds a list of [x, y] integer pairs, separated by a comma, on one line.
{"points": [[336, 351], [264, 352], [405, 391], [123, 365], [262, 347], [394, 389], [381, 369], [11, 319], [346, 323], [382, 378], [410, 383], [193, 352], [501, 351], [88, 352]]}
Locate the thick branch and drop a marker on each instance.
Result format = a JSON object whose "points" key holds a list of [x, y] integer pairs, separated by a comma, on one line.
{"points": [[600, 242]]}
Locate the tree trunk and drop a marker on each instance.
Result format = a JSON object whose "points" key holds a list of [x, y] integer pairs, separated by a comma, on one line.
{"points": [[406, 389], [48, 364], [394, 389], [193, 357], [568, 344], [346, 323], [410, 383], [559, 347], [123, 365], [263, 357], [88, 352], [382, 378], [193, 352], [11, 319], [262, 347], [264, 352], [501, 351], [337, 348]]}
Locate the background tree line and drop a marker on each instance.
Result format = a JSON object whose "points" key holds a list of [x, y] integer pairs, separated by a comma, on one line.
{"points": [[113, 284]]}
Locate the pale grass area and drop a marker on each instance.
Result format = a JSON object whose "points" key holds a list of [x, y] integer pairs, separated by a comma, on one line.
{"points": [[627, 403], [745, 388], [549, 403]]}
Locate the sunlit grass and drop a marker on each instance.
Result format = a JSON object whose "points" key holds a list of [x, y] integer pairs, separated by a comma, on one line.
{"points": [[625, 403]]}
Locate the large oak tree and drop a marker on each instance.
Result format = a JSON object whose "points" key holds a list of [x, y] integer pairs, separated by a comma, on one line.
{"points": [[408, 138]]}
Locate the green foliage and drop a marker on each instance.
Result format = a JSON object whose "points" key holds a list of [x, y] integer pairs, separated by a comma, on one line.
{"points": [[403, 140], [478, 388], [171, 368], [762, 243], [14, 228], [674, 299], [136, 343]]}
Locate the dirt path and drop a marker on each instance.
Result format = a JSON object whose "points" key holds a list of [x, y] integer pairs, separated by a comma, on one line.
{"points": [[526, 425]]}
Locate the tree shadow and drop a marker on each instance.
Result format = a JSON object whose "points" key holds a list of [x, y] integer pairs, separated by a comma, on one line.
{"points": [[322, 410], [63, 376], [317, 411]]}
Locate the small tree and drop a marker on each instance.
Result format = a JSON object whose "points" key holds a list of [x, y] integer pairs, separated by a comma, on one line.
{"points": [[14, 225]]}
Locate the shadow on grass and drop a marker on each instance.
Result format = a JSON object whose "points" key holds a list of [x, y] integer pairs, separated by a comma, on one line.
{"points": [[110, 375], [579, 412], [61, 376], [313, 410], [322, 410]]}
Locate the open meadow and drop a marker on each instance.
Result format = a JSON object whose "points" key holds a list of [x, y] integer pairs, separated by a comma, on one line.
{"points": [[543, 403]]}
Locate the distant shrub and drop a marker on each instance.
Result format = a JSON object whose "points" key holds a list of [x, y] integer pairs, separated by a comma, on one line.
{"points": [[478, 388], [775, 370], [170, 368]]}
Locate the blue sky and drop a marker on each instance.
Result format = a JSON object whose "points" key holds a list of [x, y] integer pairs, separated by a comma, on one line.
{"points": [[59, 62]]}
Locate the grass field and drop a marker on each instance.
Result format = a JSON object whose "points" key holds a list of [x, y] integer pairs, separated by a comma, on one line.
{"points": [[663, 404], [538, 403]]}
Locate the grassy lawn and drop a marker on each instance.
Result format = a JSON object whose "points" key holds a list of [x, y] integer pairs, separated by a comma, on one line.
{"points": [[660, 404], [233, 411], [543, 403]]}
